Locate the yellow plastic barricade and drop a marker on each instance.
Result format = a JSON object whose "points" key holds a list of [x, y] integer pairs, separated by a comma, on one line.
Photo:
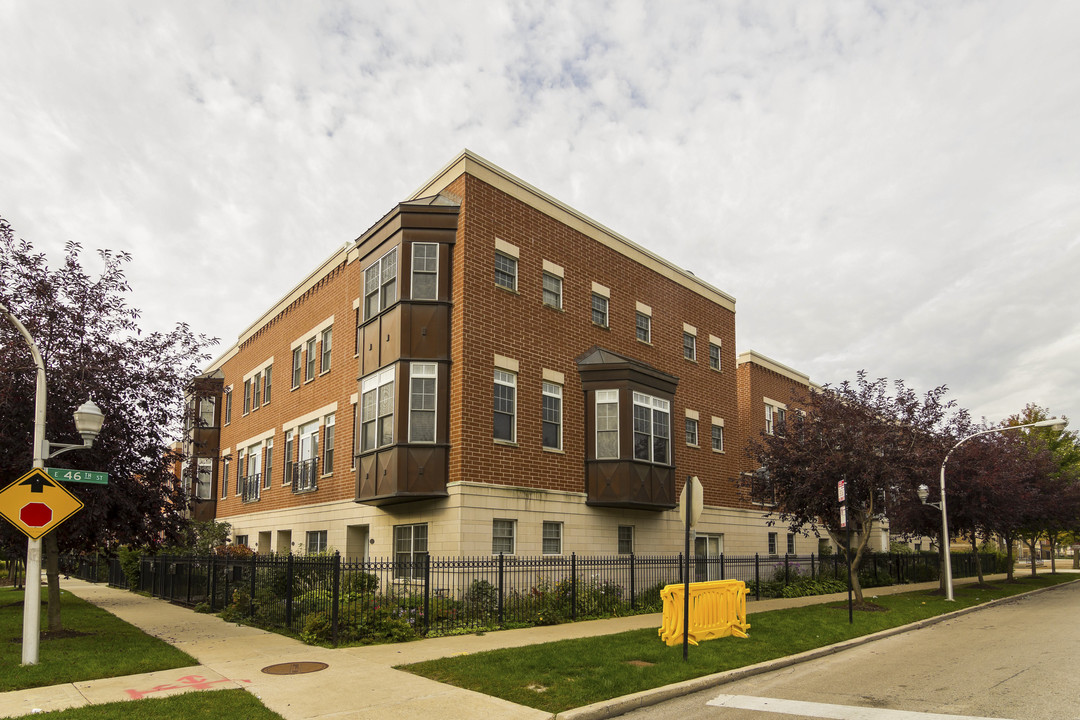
{"points": [[717, 609]]}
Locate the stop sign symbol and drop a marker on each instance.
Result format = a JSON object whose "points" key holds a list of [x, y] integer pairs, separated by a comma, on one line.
{"points": [[36, 514]]}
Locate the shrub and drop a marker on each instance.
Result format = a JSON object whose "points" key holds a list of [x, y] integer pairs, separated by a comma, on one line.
{"points": [[130, 559], [806, 587]]}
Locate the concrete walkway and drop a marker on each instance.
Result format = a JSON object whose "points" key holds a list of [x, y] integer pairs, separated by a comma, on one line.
{"points": [[358, 682]]}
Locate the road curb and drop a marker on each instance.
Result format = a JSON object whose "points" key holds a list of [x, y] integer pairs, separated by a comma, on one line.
{"points": [[624, 704]]}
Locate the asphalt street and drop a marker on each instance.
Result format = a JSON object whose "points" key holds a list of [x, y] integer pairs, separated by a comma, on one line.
{"points": [[1016, 660]]}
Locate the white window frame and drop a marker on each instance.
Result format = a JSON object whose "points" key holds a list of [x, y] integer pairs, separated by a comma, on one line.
{"points": [[416, 538], [510, 270], [297, 367], [419, 372], [327, 346], [228, 406], [554, 391], [287, 457], [504, 530], [551, 538], [328, 444], [791, 543], [772, 544], [639, 327], [379, 285], [309, 359], [267, 384], [600, 305], [225, 477], [268, 462], [625, 545], [556, 291], [204, 478], [691, 431], [373, 414], [321, 545], [655, 406], [606, 397], [423, 265], [256, 391], [506, 378]]}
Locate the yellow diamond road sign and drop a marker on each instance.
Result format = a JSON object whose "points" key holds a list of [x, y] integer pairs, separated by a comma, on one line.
{"points": [[35, 503]]}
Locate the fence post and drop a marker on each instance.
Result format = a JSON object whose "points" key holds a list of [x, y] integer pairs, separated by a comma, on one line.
{"points": [[632, 581], [251, 597], [573, 586], [501, 569], [787, 571], [334, 598], [757, 576], [681, 564], [288, 590], [427, 591], [812, 566], [211, 583], [722, 574]]}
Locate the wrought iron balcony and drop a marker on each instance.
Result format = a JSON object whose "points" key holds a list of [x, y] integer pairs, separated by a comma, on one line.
{"points": [[249, 487], [305, 475]]}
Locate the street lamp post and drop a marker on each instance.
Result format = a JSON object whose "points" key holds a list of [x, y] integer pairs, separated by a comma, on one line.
{"points": [[1054, 423], [88, 421]]}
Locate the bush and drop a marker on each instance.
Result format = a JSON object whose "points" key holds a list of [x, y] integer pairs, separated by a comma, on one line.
{"points": [[806, 587], [130, 559]]}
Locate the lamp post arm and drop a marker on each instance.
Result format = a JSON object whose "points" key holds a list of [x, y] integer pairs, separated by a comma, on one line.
{"points": [[39, 396]]}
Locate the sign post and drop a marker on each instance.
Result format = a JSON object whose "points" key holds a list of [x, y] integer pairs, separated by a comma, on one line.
{"points": [[691, 503], [841, 494]]}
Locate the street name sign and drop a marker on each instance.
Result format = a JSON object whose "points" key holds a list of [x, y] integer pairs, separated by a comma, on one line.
{"points": [[35, 503], [94, 477]]}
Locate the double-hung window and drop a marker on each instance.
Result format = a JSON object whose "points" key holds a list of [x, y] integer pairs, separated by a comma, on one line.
{"points": [[287, 460], [718, 438], [410, 550], [206, 412], [552, 538], [268, 463], [380, 284], [225, 462], [316, 542], [328, 444], [626, 539], [714, 356], [552, 416], [204, 479], [691, 431], [228, 405], [309, 350], [607, 424], [770, 413], [425, 271], [505, 271], [247, 396], [505, 396], [266, 384], [502, 537], [296, 365], [599, 310], [377, 410], [689, 347], [423, 378], [327, 343], [553, 291], [643, 325], [772, 543], [256, 391], [652, 429]]}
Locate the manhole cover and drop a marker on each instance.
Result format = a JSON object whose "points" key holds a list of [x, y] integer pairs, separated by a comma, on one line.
{"points": [[294, 668]]}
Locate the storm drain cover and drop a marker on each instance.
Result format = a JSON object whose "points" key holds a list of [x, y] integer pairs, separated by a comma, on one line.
{"points": [[294, 668]]}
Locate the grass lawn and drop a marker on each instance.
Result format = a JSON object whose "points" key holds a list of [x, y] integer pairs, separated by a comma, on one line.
{"points": [[95, 644], [571, 673], [208, 705]]}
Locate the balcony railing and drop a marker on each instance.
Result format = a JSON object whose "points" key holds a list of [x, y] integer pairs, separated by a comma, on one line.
{"points": [[249, 487], [305, 475]]}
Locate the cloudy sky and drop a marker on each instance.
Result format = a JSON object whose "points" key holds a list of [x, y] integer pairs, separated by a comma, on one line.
{"points": [[889, 186]]}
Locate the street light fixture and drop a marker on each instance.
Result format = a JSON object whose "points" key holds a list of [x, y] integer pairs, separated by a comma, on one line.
{"points": [[923, 492]]}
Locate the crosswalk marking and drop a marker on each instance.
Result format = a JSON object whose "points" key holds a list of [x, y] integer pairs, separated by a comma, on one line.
{"points": [[824, 710]]}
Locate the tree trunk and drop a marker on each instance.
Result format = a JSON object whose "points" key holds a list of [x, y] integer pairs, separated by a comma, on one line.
{"points": [[1032, 543], [1053, 553], [1009, 556], [1076, 557], [978, 559], [52, 572]]}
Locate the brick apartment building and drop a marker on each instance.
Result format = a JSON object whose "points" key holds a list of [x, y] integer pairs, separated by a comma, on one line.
{"points": [[486, 370]]}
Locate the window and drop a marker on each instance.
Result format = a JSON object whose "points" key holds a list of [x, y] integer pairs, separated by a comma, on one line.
{"points": [[328, 444], [652, 429], [256, 391], [247, 396], [502, 537], [327, 343], [206, 412], [204, 479], [761, 490], [296, 368], [352, 438], [316, 542], [425, 271], [505, 271], [644, 327], [290, 453], [225, 477], [714, 356], [791, 543], [505, 400], [253, 479], [356, 335], [423, 378], [781, 421], [772, 543], [552, 416], [718, 438], [607, 424], [552, 538], [775, 418], [309, 348], [268, 463], [266, 384], [241, 540], [600, 310], [377, 410], [691, 431], [553, 291], [410, 550], [306, 475], [380, 284], [626, 539], [228, 405], [689, 346], [769, 411], [825, 548]]}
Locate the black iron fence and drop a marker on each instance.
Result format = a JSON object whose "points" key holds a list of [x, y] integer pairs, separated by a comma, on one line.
{"points": [[327, 598]]}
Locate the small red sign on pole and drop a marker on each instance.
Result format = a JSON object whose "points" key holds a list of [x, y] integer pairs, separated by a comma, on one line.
{"points": [[840, 490], [843, 517]]}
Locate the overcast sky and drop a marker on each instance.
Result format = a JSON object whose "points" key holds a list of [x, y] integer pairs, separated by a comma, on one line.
{"points": [[889, 186]]}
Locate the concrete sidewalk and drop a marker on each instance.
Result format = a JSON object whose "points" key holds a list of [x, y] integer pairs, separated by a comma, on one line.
{"points": [[358, 682]]}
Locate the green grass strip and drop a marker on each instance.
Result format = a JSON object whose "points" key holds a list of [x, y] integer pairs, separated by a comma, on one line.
{"points": [[567, 674], [97, 645], [206, 705]]}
